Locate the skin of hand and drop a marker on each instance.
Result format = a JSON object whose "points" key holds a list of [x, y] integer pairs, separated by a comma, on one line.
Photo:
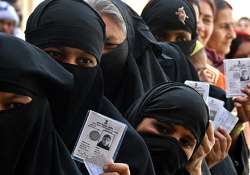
{"points": [[221, 148], [116, 169], [243, 105], [194, 164]]}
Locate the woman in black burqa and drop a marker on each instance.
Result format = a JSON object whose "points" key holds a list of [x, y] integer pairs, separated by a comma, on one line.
{"points": [[131, 68], [172, 118], [31, 145], [73, 33]]}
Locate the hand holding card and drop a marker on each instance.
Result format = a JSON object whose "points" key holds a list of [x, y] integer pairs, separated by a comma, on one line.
{"points": [[99, 140]]}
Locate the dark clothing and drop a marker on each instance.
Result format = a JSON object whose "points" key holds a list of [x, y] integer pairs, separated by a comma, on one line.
{"points": [[139, 70], [240, 156], [31, 144], [170, 103], [88, 91]]}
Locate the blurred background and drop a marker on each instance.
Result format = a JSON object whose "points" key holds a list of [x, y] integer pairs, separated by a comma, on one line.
{"points": [[241, 7]]}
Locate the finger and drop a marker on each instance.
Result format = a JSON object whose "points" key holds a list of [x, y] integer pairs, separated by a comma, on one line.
{"points": [[113, 173], [210, 133], [222, 140], [121, 168], [246, 91], [241, 100], [206, 146], [216, 147], [228, 138], [237, 105]]}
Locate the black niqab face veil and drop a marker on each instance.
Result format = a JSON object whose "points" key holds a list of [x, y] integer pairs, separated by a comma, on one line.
{"points": [[138, 69], [168, 15], [64, 23], [30, 144], [173, 103]]}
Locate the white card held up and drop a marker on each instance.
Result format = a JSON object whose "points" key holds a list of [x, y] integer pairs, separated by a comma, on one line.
{"points": [[99, 140], [214, 106], [225, 120], [93, 169], [201, 87], [237, 75]]}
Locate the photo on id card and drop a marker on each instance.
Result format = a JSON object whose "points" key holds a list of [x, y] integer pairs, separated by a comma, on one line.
{"points": [[99, 139], [237, 75]]}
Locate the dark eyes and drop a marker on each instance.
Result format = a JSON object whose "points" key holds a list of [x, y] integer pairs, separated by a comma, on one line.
{"points": [[181, 38], [85, 62], [207, 20], [81, 61], [186, 143], [164, 130], [55, 54]]}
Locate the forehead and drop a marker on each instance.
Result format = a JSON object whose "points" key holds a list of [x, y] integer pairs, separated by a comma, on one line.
{"points": [[224, 16], [113, 30], [205, 8]]}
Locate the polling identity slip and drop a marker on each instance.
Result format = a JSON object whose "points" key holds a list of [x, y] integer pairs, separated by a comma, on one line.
{"points": [[201, 87], [99, 139], [214, 106], [225, 120], [237, 75], [220, 116]]}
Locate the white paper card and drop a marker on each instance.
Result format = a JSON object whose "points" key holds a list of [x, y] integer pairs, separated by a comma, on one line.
{"points": [[93, 169], [225, 119], [201, 87], [214, 106], [99, 139], [237, 75]]}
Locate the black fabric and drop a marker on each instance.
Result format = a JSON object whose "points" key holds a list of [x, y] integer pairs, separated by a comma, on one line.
{"points": [[89, 96], [240, 156], [161, 16], [87, 93], [113, 65], [162, 147], [224, 167], [141, 71], [176, 66], [53, 24], [31, 144], [29, 67], [175, 103]]}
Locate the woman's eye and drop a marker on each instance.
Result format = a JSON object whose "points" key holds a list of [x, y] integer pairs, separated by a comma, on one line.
{"points": [[181, 38], [164, 130], [207, 21], [186, 143], [55, 54], [85, 62]]}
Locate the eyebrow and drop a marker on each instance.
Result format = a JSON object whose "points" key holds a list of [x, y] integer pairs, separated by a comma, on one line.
{"points": [[208, 16]]}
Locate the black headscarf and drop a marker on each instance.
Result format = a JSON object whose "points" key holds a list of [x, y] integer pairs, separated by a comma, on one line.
{"points": [[87, 93], [167, 15], [173, 103], [30, 144], [139, 71], [49, 25]]}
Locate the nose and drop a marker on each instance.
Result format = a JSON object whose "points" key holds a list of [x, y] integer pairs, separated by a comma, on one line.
{"points": [[231, 33]]}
